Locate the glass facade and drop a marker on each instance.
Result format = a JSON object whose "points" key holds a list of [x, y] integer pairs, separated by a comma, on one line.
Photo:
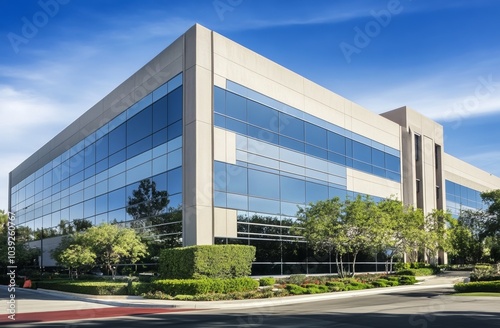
{"points": [[129, 171], [286, 159], [460, 198]]}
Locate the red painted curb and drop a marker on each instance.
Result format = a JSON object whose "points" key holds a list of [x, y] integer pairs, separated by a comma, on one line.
{"points": [[83, 314]]}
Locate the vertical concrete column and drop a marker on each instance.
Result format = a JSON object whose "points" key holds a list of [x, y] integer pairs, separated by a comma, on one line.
{"points": [[197, 138]]}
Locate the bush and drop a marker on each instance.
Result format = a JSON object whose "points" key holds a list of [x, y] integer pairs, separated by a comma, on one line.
{"points": [[204, 286], [206, 261], [88, 287], [380, 283], [335, 286], [269, 281], [296, 289], [484, 272], [297, 279], [480, 286], [139, 288], [407, 280]]}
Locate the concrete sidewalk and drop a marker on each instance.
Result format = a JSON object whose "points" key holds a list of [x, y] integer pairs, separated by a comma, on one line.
{"points": [[441, 281]]}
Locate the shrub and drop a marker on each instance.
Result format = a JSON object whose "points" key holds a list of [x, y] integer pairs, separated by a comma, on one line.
{"points": [[407, 280], [204, 286], [184, 297], [392, 283], [484, 272], [380, 283], [407, 272], [269, 281], [296, 289], [206, 261], [335, 286], [89, 287], [480, 286], [139, 288], [297, 279]]}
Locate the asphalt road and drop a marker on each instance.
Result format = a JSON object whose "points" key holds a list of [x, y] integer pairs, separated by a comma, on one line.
{"points": [[424, 308]]}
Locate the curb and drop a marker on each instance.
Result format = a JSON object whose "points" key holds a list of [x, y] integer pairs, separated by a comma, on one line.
{"points": [[137, 301]]}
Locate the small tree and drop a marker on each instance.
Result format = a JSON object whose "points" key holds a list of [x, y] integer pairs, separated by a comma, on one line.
{"points": [[72, 254], [113, 244], [435, 235]]}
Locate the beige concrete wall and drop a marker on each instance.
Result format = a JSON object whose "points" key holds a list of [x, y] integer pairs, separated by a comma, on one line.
{"points": [[225, 222], [468, 175], [197, 213], [241, 65], [372, 185]]}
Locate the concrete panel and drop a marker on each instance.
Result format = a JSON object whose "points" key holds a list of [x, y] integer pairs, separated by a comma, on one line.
{"points": [[220, 145], [468, 175], [230, 147], [372, 185], [220, 222], [219, 81]]}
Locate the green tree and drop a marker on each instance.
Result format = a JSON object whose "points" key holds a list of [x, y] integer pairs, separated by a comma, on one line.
{"points": [[72, 253], [403, 229], [321, 225], [435, 234], [106, 245], [492, 222], [113, 244], [16, 240], [464, 246]]}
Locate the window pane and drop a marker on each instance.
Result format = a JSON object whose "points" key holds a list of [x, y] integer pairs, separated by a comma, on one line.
{"points": [[336, 143], [378, 158], [174, 105], [219, 100], [315, 135], [293, 190], [263, 205], [262, 134], [316, 192], [174, 179], [174, 130], [236, 106], [236, 126], [237, 178], [392, 163], [361, 152], [160, 114], [263, 184], [144, 120], [116, 199], [118, 139], [262, 116], [292, 144], [291, 126]]}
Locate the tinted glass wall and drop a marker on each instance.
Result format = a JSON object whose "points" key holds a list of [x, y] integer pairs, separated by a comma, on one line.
{"points": [[286, 159], [460, 198], [128, 171]]}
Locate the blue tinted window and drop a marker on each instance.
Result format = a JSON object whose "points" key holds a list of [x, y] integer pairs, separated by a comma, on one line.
{"points": [[236, 126], [392, 163], [315, 192], [316, 135], [262, 134], [336, 143], [174, 179], [139, 147], [174, 112], [239, 202], [292, 144], [348, 147], [118, 139], [116, 199], [293, 190], [159, 137], [263, 184], [89, 155], [336, 158], [263, 205], [378, 171], [236, 106], [362, 166], [174, 130], [220, 178], [117, 158], [101, 148], [140, 125], [219, 100], [378, 157], [315, 151], [291, 126], [262, 116], [237, 178], [160, 110], [361, 152], [219, 120]]}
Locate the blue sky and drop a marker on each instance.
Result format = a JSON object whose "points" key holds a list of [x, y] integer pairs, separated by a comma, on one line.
{"points": [[442, 58]]}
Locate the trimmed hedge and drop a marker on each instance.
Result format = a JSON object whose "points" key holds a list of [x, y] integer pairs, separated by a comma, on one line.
{"points": [[480, 286], [91, 288], [206, 261], [175, 287]]}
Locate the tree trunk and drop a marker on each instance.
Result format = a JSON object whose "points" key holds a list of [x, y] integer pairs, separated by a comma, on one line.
{"points": [[354, 264]]}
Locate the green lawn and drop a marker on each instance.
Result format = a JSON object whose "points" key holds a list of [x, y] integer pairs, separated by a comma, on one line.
{"points": [[477, 294]]}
